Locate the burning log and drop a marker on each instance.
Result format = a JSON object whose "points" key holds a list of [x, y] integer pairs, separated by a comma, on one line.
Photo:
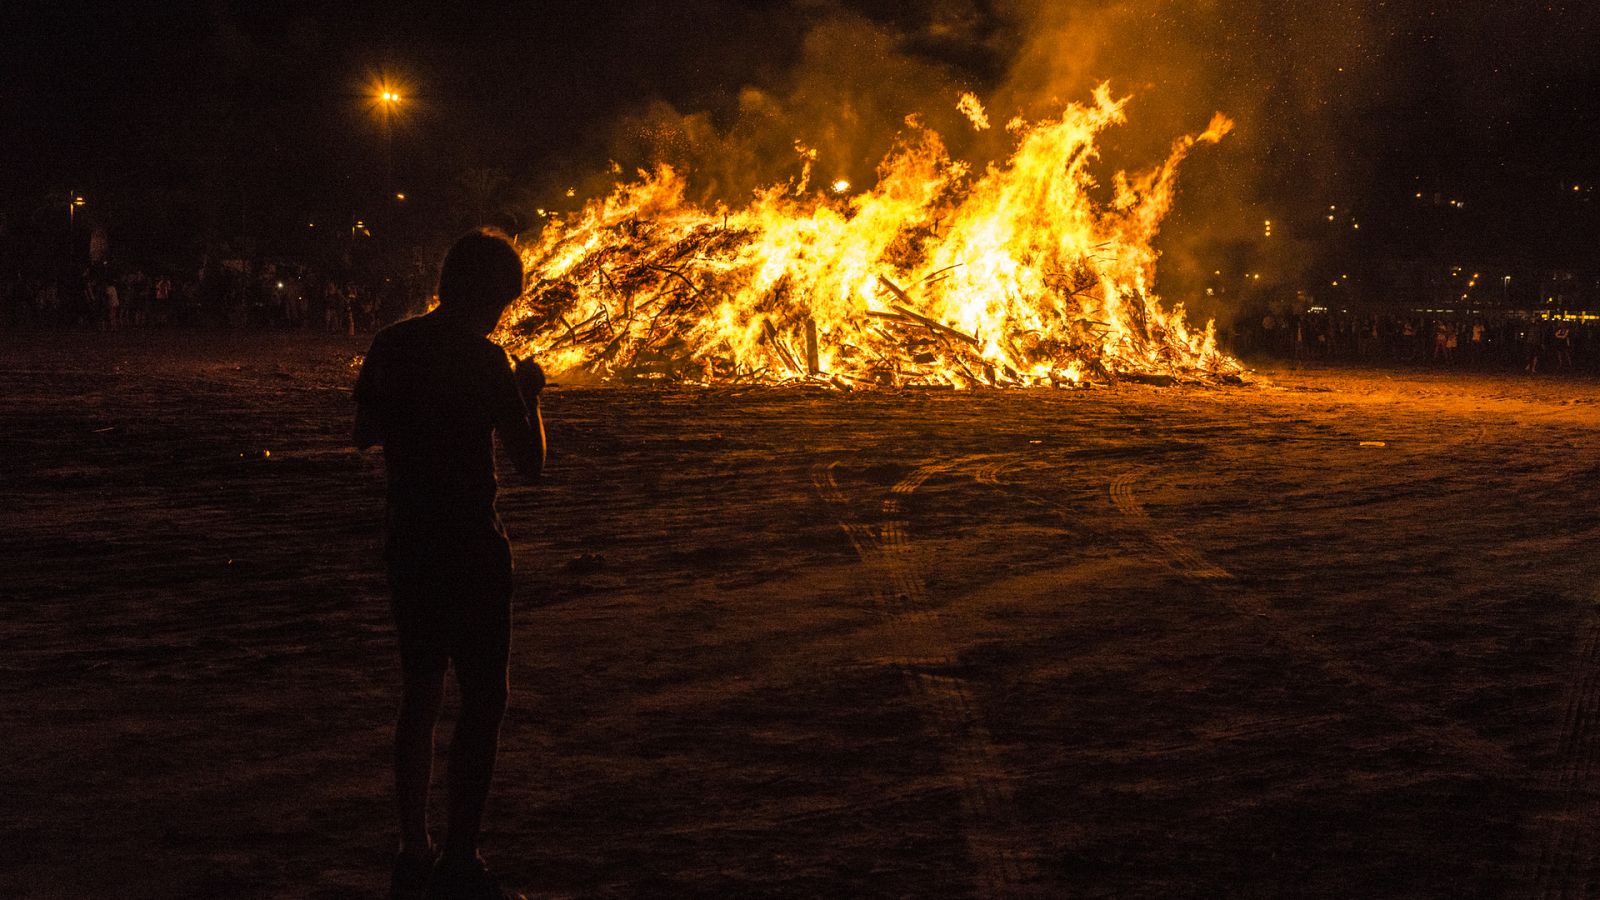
{"points": [[930, 324], [813, 362], [776, 342], [894, 289]]}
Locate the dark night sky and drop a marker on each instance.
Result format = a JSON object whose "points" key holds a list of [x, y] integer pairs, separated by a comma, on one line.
{"points": [[254, 111]]}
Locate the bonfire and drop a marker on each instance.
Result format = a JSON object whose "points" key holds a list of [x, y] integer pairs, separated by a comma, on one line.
{"points": [[935, 275]]}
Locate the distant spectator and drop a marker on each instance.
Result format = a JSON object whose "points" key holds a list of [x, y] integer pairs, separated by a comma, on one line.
{"points": [[1561, 343], [112, 301]]}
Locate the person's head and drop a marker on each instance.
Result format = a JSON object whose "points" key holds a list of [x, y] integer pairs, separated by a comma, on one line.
{"points": [[482, 274]]}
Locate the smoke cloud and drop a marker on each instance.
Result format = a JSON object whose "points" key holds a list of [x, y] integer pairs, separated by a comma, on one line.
{"points": [[1317, 91]]}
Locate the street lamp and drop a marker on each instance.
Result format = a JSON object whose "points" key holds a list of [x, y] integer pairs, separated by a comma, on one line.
{"points": [[72, 209], [385, 94], [387, 98]]}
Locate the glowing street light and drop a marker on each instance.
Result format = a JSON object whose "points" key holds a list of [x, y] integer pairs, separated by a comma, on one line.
{"points": [[72, 209], [386, 97]]}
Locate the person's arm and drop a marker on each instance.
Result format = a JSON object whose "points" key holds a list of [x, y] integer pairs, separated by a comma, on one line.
{"points": [[369, 425], [518, 419]]}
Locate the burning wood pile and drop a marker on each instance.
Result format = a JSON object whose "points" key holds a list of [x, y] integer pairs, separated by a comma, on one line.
{"points": [[934, 276]]}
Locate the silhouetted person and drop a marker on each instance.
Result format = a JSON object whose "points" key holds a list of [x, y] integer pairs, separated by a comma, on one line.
{"points": [[1535, 342], [433, 390], [1561, 340]]}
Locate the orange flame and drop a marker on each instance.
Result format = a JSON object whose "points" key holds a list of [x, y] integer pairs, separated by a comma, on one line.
{"points": [[933, 276]]}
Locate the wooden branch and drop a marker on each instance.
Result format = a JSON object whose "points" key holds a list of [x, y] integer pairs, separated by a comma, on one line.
{"points": [[921, 319], [894, 289], [928, 278], [937, 327], [667, 270], [776, 341]]}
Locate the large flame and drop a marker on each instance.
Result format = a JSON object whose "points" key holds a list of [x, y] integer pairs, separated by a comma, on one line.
{"points": [[1017, 275]]}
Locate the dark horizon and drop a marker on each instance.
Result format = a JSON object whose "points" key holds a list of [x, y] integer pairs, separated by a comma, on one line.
{"points": [[249, 120]]}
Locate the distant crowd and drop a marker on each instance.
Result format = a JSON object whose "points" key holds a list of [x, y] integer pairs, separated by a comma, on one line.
{"points": [[1501, 340], [231, 294], [289, 296]]}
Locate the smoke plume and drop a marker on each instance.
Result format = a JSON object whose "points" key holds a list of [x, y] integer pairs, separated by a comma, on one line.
{"points": [[1296, 78]]}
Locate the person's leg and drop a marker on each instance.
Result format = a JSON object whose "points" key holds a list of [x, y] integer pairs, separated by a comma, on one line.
{"points": [[424, 659], [480, 657], [413, 759]]}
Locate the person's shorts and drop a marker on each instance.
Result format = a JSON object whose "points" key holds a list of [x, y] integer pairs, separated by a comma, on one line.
{"points": [[463, 622]]}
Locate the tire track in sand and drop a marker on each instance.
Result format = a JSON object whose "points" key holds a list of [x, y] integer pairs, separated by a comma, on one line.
{"points": [[920, 647], [1189, 562], [1561, 858], [1222, 586], [1567, 864]]}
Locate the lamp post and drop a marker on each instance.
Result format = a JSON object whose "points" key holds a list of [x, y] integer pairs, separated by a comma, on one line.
{"points": [[72, 210], [390, 99], [388, 106]]}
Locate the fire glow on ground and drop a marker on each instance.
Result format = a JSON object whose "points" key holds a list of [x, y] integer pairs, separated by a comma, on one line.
{"points": [[1329, 634]]}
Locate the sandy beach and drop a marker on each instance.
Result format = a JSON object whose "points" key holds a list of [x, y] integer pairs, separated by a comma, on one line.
{"points": [[1329, 634]]}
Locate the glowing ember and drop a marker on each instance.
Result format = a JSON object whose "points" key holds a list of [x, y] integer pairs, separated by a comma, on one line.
{"points": [[1015, 276]]}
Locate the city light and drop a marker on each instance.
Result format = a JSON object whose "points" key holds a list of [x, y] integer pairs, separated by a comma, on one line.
{"points": [[386, 95], [387, 99]]}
